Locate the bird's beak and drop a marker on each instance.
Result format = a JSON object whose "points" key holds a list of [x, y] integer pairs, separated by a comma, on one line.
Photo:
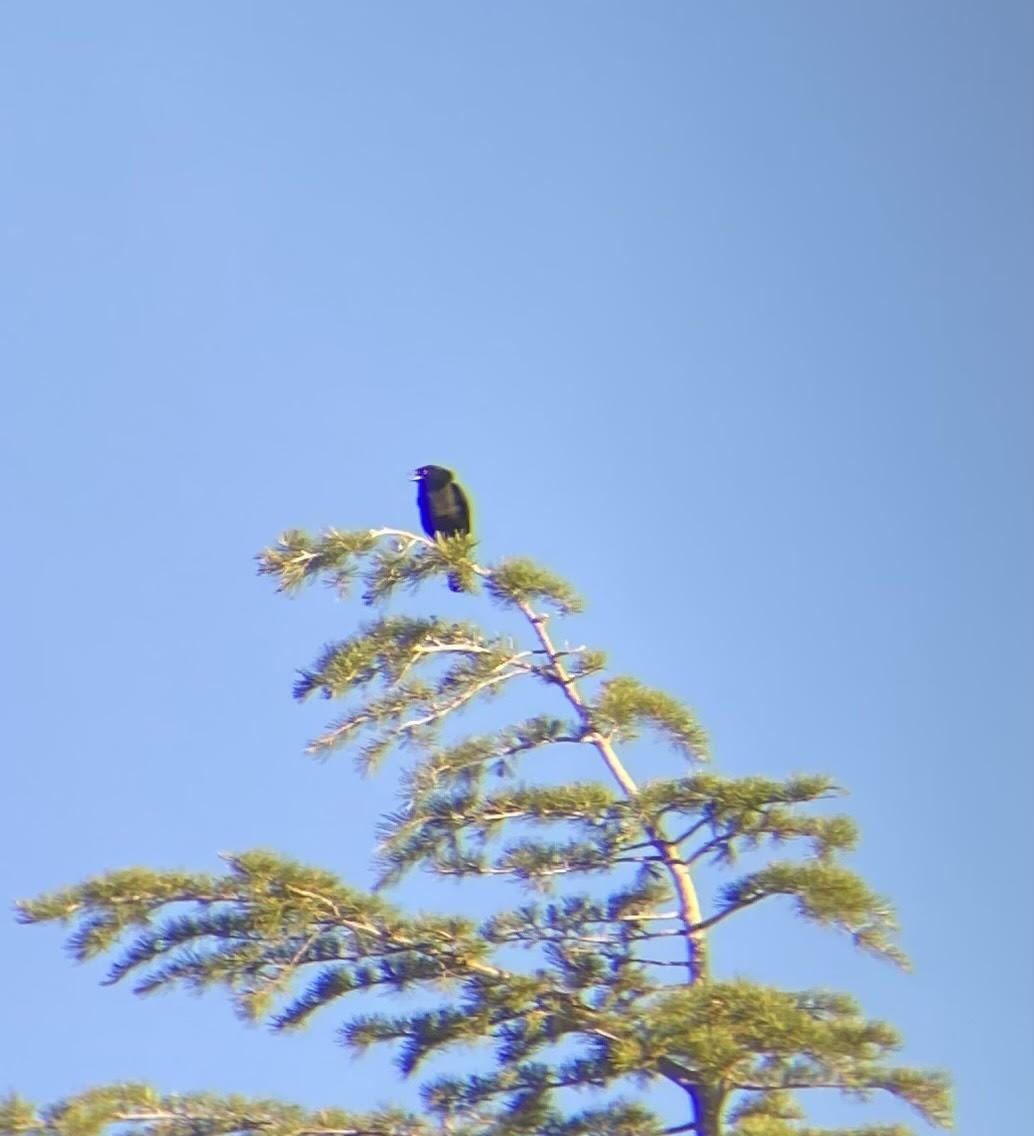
{"points": [[414, 476]]}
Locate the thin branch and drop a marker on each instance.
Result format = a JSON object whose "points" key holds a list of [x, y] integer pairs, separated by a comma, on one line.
{"points": [[457, 702], [692, 830], [242, 1124], [409, 537], [716, 844], [741, 905]]}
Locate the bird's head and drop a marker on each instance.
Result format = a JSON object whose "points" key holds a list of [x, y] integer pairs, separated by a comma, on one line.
{"points": [[435, 476]]}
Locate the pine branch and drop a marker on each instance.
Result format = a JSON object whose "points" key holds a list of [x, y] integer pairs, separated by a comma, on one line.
{"points": [[138, 1110], [825, 893]]}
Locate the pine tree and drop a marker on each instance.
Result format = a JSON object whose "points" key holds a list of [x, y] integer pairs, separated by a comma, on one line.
{"points": [[594, 973]]}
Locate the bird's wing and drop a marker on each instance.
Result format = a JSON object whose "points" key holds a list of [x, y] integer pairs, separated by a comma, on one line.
{"points": [[462, 509]]}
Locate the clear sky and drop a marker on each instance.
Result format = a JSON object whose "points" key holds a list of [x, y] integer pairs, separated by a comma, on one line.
{"points": [[724, 311]]}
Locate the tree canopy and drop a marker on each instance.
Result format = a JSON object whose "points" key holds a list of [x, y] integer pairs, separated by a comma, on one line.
{"points": [[592, 980]]}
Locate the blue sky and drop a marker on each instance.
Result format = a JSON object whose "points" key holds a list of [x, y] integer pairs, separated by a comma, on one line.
{"points": [[722, 311]]}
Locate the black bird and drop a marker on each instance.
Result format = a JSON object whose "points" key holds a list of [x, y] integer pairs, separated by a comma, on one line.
{"points": [[444, 509]]}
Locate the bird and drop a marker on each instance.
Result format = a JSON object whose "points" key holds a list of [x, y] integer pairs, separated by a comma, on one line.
{"points": [[444, 508]]}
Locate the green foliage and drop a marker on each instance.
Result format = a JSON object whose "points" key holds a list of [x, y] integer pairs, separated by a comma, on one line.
{"points": [[624, 705], [592, 978], [137, 1110], [516, 581], [256, 930]]}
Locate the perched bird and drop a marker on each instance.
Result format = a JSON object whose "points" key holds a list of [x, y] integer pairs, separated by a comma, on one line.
{"points": [[444, 509]]}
